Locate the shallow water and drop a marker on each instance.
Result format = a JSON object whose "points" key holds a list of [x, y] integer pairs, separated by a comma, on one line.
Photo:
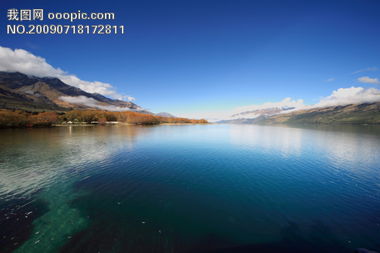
{"points": [[198, 188]]}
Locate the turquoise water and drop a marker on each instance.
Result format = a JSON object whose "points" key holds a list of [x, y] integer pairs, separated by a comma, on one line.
{"points": [[197, 188]]}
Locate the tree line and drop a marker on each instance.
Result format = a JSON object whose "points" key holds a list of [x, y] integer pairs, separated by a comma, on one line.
{"points": [[18, 118]]}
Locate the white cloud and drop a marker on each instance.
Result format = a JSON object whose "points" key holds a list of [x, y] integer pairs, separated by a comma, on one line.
{"points": [[20, 60], [330, 79], [285, 103], [367, 79], [342, 96], [365, 70], [353, 95], [90, 102]]}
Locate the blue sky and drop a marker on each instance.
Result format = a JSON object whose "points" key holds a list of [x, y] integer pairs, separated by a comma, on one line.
{"points": [[186, 57]]}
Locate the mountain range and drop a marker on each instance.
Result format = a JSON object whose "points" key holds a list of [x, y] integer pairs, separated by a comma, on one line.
{"points": [[365, 113], [20, 91], [30, 93], [246, 117]]}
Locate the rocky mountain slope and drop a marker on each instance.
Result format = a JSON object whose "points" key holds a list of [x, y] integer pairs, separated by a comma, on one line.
{"points": [[19, 91]]}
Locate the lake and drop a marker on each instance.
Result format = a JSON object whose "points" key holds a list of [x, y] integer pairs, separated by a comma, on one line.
{"points": [[190, 188]]}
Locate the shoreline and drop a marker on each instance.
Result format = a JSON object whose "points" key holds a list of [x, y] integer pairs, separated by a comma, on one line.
{"points": [[124, 124], [95, 125]]}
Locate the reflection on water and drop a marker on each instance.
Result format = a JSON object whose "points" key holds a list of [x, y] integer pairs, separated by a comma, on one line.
{"points": [[285, 140], [238, 188], [342, 145], [32, 158]]}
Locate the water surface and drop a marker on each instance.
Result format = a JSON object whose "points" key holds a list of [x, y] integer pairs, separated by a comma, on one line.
{"points": [[197, 188]]}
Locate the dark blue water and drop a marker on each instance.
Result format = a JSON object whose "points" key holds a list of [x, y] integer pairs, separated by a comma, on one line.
{"points": [[206, 188]]}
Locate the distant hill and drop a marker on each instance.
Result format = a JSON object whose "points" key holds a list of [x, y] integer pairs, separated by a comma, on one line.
{"points": [[20, 91], [165, 114], [261, 112], [368, 113], [250, 116]]}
